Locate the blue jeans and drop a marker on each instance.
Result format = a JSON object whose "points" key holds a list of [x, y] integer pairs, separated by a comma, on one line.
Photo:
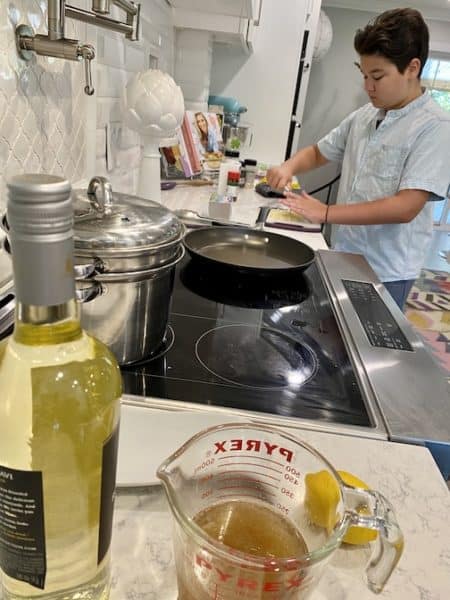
{"points": [[399, 290]]}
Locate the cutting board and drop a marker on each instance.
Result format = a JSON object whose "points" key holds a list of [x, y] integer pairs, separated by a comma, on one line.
{"points": [[286, 219]]}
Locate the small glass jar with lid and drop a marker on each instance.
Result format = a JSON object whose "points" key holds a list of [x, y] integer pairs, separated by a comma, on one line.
{"points": [[250, 172]]}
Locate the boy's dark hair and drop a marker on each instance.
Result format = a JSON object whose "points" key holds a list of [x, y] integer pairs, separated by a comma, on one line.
{"points": [[399, 35]]}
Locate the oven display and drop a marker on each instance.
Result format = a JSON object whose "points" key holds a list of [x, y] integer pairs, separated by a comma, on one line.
{"points": [[379, 325]]}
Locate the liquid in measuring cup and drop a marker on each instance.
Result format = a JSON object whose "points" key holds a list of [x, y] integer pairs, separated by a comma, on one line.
{"points": [[256, 530], [252, 528]]}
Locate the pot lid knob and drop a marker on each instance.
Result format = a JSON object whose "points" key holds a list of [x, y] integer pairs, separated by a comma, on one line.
{"points": [[100, 194]]}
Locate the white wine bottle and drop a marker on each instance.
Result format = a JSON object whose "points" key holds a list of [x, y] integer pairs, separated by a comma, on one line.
{"points": [[59, 414]]}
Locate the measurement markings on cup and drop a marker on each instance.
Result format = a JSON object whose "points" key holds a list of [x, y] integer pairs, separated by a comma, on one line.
{"points": [[249, 475], [244, 478], [251, 464], [245, 472], [241, 495], [263, 458], [248, 484]]}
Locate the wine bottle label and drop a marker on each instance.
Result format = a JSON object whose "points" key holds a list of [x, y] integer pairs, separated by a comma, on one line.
{"points": [[109, 466], [22, 537]]}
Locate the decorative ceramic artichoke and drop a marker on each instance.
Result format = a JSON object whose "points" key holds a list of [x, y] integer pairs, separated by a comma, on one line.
{"points": [[153, 104]]}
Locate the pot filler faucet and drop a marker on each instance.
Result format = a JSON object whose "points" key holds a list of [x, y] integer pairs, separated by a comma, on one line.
{"points": [[56, 44]]}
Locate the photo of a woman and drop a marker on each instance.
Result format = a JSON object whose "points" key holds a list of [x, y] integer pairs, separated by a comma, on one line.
{"points": [[207, 134]]}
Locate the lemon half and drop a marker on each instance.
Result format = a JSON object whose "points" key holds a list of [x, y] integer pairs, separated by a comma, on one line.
{"points": [[321, 501]]}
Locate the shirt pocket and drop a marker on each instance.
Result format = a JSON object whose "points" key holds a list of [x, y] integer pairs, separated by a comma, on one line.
{"points": [[383, 169]]}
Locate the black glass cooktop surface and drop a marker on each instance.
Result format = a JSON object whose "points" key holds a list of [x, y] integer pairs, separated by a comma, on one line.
{"points": [[260, 343]]}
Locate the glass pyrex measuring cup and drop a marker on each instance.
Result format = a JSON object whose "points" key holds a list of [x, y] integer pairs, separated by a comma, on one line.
{"points": [[263, 470]]}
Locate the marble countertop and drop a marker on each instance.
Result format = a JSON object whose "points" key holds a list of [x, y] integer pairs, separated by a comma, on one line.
{"points": [[143, 567], [244, 210]]}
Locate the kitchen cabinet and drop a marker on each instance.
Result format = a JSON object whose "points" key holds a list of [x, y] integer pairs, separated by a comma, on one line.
{"points": [[229, 22], [247, 9]]}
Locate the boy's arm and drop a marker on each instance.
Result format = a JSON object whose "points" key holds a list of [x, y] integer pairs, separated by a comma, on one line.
{"points": [[329, 148], [403, 207], [304, 160]]}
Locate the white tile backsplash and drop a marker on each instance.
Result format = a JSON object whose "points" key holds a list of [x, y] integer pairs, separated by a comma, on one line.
{"points": [[135, 58], [41, 116], [44, 113]]}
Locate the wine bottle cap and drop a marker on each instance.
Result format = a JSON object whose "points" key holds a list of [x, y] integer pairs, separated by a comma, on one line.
{"points": [[39, 204]]}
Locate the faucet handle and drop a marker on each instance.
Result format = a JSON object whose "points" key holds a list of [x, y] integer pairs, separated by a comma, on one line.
{"points": [[87, 53]]}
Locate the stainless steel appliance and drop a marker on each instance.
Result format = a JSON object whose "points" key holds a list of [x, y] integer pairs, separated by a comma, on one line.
{"points": [[327, 349]]}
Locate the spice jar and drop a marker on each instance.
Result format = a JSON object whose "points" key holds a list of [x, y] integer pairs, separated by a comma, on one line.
{"points": [[233, 185], [230, 163], [250, 172]]}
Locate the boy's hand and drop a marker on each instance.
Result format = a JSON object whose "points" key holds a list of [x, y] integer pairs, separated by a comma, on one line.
{"points": [[305, 205], [279, 177]]}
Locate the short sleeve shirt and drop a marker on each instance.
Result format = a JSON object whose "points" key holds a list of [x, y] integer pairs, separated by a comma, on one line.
{"points": [[410, 149]]}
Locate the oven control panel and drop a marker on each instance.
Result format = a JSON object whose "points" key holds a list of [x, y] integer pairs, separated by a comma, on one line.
{"points": [[380, 326]]}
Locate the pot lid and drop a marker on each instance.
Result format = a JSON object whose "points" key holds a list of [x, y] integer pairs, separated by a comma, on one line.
{"points": [[117, 223]]}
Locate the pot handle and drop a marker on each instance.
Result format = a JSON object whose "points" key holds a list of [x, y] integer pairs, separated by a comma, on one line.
{"points": [[102, 202], [83, 271], [87, 270], [7, 305], [87, 294], [4, 222], [370, 509]]}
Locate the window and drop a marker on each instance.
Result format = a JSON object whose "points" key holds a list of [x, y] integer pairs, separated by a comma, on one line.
{"points": [[436, 78]]}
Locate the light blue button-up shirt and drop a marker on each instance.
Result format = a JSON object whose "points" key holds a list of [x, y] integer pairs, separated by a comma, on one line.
{"points": [[409, 150]]}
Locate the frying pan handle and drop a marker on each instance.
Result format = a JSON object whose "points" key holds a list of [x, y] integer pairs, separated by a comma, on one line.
{"points": [[262, 216]]}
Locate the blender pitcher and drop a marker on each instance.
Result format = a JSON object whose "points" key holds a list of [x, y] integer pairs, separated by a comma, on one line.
{"points": [[244, 525]]}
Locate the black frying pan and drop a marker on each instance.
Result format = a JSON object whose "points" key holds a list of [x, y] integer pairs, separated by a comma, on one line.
{"points": [[248, 250]]}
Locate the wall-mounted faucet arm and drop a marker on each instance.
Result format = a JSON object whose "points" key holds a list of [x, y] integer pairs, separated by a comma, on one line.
{"points": [[99, 20], [56, 19], [129, 7], [29, 42], [56, 44], [100, 6]]}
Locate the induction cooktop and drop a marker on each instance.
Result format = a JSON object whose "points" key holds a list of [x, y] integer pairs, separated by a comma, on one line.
{"points": [[268, 344]]}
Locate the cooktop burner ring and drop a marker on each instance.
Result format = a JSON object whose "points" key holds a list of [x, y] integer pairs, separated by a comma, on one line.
{"points": [[267, 343]]}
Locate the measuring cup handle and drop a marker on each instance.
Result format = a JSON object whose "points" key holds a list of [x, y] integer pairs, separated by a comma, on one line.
{"points": [[370, 509]]}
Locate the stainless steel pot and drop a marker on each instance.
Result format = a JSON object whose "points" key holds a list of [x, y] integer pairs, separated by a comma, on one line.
{"points": [[129, 312], [126, 249], [123, 233]]}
